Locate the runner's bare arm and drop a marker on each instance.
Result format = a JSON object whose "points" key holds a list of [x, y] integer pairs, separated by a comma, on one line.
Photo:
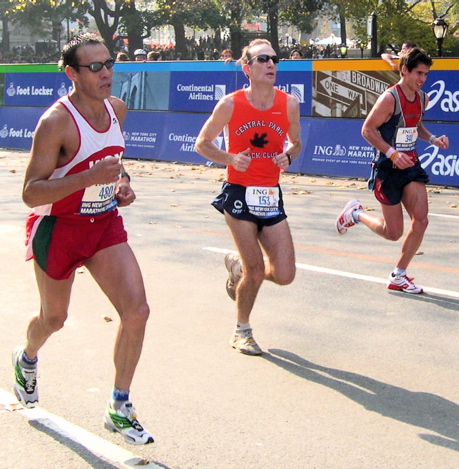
{"points": [[294, 131], [213, 127], [55, 142]]}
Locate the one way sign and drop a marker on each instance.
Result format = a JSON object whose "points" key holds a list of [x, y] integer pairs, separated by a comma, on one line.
{"points": [[339, 90]]}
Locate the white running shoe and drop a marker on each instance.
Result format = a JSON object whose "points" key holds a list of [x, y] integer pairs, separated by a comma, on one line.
{"points": [[124, 421], [25, 381], [345, 219], [234, 266], [403, 283], [244, 342]]}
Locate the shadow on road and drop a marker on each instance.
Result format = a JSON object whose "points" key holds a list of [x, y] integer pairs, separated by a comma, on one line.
{"points": [[421, 409]]}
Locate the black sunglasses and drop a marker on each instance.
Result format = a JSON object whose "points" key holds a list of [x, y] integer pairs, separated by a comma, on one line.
{"points": [[97, 66], [263, 58]]}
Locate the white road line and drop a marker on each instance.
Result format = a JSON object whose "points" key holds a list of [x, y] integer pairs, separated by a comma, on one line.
{"points": [[100, 447], [442, 215], [342, 273]]}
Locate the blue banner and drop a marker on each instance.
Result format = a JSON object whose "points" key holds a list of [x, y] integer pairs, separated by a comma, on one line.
{"points": [[333, 147], [197, 91], [17, 126], [442, 86], [35, 89]]}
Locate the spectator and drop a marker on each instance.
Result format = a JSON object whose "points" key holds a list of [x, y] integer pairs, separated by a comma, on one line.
{"points": [[122, 57], [140, 55], [406, 47], [295, 54], [153, 56], [227, 55]]}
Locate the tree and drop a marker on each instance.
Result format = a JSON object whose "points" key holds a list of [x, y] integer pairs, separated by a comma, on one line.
{"points": [[44, 16], [202, 14]]}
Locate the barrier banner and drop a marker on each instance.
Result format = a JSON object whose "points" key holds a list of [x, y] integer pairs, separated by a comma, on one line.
{"points": [[442, 86], [197, 91], [336, 148], [17, 126], [164, 136], [348, 93], [35, 89], [142, 90]]}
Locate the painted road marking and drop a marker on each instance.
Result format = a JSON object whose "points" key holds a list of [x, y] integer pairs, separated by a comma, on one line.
{"points": [[342, 273], [100, 447], [442, 215]]}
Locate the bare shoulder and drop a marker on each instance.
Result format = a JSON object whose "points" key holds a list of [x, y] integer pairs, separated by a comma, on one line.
{"points": [[119, 106], [292, 102], [56, 119], [226, 104]]}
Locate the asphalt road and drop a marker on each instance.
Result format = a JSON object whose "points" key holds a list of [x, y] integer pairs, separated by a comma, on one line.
{"points": [[354, 376]]}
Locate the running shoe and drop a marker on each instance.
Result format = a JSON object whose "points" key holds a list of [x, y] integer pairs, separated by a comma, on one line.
{"points": [[25, 381], [345, 219], [244, 342], [124, 421], [234, 266], [403, 283]]}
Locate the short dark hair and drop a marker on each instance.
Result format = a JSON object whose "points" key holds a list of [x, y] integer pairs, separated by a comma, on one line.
{"points": [[68, 54], [414, 57], [410, 44]]}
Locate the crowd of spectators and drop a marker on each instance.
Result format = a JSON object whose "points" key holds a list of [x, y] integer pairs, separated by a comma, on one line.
{"points": [[205, 48]]}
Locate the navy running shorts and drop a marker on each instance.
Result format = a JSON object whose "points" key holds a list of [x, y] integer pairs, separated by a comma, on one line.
{"points": [[389, 182], [263, 206]]}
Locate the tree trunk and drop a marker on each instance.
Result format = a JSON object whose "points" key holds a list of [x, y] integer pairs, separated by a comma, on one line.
{"points": [[180, 41], [273, 26], [101, 15], [6, 35]]}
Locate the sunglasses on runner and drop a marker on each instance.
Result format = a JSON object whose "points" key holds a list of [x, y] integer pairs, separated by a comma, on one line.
{"points": [[97, 66], [263, 58]]}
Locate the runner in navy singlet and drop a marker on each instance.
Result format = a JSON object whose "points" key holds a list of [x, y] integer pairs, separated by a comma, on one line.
{"points": [[398, 179]]}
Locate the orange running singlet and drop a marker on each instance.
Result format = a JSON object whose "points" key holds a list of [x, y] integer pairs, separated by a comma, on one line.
{"points": [[264, 132]]}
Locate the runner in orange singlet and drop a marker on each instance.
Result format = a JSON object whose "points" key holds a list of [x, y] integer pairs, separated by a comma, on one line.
{"points": [[262, 133]]}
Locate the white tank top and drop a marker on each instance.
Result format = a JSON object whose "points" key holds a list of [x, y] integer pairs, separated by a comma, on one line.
{"points": [[94, 146]]}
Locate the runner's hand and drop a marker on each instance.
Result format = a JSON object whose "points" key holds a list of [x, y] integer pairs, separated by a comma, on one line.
{"points": [[124, 194], [402, 161], [106, 171], [241, 161]]}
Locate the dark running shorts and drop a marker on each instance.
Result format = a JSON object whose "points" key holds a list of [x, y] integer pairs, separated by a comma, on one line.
{"points": [[61, 245], [389, 182], [233, 200]]}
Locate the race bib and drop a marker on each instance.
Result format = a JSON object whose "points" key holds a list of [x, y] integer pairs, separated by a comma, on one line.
{"points": [[263, 202], [405, 139], [98, 199]]}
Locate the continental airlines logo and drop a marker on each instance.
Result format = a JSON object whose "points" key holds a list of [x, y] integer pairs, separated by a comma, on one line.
{"points": [[187, 141], [203, 92], [295, 89]]}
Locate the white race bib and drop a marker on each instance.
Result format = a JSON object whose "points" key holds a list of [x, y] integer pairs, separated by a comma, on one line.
{"points": [[405, 139], [98, 199], [263, 202]]}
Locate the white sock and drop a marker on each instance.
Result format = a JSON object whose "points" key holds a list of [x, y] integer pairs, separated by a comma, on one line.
{"points": [[242, 326], [399, 272], [355, 215]]}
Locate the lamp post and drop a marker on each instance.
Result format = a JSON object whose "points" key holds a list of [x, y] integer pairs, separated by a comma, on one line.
{"points": [[343, 50], [440, 28]]}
